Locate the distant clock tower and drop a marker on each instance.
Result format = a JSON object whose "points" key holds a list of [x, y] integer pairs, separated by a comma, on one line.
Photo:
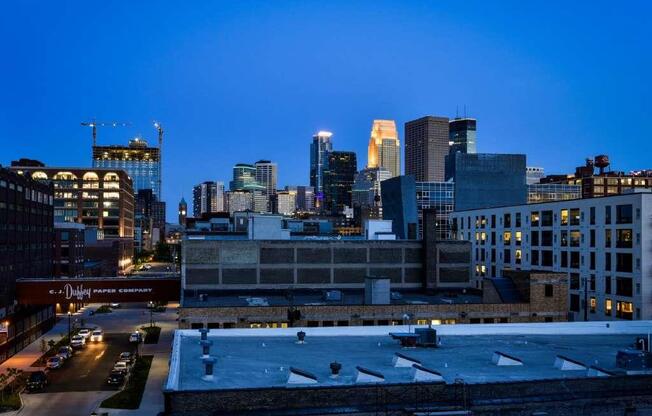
{"points": [[183, 212]]}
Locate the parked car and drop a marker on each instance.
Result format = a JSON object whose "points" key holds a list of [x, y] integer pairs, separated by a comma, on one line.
{"points": [[64, 352], [37, 381], [116, 378], [128, 357], [121, 366], [115, 305], [97, 335], [77, 341], [84, 332], [135, 337], [147, 266], [54, 362]]}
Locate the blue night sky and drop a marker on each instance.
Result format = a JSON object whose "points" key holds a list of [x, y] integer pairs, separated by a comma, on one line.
{"points": [[241, 81]]}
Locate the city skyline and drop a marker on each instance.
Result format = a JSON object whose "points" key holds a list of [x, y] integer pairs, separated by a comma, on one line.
{"points": [[530, 89]]}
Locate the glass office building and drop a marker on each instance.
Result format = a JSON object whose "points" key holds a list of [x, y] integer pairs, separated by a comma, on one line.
{"points": [[437, 196]]}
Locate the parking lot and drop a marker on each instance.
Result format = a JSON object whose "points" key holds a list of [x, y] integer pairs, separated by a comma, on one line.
{"points": [[89, 367]]}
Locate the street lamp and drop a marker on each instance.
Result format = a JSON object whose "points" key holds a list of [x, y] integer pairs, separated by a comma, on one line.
{"points": [[69, 315], [151, 311]]}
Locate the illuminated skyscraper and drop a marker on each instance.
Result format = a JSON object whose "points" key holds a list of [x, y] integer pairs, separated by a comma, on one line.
{"points": [[384, 147], [139, 160], [320, 147]]}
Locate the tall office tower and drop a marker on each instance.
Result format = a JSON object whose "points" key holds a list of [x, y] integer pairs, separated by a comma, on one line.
{"points": [[266, 174], [438, 197], [149, 220], [384, 147], [207, 197], [338, 181], [138, 159], [286, 202], [320, 147], [426, 147], [366, 194], [462, 135], [239, 201], [183, 212], [244, 178], [305, 197]]}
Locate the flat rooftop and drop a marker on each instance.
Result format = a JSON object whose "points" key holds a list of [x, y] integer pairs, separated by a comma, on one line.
{"points": [[261, 358], [224, 298]]}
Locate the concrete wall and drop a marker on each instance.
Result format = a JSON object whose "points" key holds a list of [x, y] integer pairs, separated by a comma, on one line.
{"points": [[310, 264]]}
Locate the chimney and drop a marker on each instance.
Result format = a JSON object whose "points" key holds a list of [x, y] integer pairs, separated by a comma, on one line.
{"points": [[205, 347], [301, 336], [208, 363], [335, 369], [204, 333]]}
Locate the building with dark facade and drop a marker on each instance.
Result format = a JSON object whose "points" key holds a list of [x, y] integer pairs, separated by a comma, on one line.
{"points": [[149, 219], [438, 197], [426, 147], [26, 241], [320, 147], [400, 206], [68, 246], [484, 180], [338, 181], [462, 135], [207, 197]]}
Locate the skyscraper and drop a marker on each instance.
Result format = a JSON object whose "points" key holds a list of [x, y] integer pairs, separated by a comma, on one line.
{"points": [[426, 147], [320, 147], [183, 212], [463, 135], [266, 174], [338, 181], [305, 197], [244, 178], [208, 197], [366, 194], [400, 206], [138, 159], [384, 147]]}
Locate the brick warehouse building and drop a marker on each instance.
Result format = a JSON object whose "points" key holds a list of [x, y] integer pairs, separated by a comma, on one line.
{"points": [[26, 232]]}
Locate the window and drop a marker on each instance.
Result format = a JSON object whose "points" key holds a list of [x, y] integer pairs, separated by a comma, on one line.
{"points": [[507, 221], [592, 304], [546, 219], [575, 216], [575, 259], [507, 256], [607, 262], [534, 236], [518, 254], [564, 217], [624, 286], [534, 218], [624, 310], [535, 258], [592, 238], [574, 281], [624, 214], [592, 216], [607, 214], [564, 259], [624, 238], [574, 303], [546, 258], [518, 219], [507, 237], [607, 307], [548, 291], [493, 221], [624, 262], [607, 238], [546, 238], [563, 240], [575, 238], [592, 260], [518, 237]]}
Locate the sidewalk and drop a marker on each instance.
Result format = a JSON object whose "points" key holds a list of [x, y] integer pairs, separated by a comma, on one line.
{"points": [[24, 358]]}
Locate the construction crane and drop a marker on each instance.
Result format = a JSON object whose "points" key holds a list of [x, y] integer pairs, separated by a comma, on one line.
{"points": [[95, 124], [159, 127]]}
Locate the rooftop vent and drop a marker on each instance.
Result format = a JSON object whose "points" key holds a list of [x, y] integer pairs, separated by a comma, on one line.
{"points": [[208, 365], [335, 369], [401, 360], [568, 364], [420, 373], [301, 337], [368, 376], [298, 376], [204, 333], [500, 358], [598, 372], [205, 347]]}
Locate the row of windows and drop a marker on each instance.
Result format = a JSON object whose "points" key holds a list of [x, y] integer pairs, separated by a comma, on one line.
{"points": [[573, 238]]}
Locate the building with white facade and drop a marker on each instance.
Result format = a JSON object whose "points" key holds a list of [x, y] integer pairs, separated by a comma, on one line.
{"points": [[604, 244], [286, 202]]}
